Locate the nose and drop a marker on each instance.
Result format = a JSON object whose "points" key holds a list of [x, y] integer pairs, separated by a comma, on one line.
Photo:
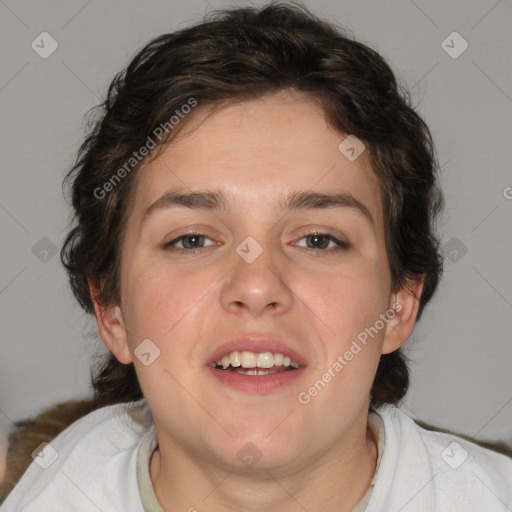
{"points": [[258, 287]]}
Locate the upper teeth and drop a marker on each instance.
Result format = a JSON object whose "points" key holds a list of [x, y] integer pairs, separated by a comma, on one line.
{"points": [[252, 360]]}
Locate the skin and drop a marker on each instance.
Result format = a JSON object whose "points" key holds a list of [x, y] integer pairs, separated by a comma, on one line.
{"points": [[319, 456]]}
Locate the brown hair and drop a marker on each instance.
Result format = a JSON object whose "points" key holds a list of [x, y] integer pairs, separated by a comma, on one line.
{"points": [[235, 55]]}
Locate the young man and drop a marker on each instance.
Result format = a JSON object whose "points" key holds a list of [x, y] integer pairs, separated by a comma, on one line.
{"points": [[255, 218]]}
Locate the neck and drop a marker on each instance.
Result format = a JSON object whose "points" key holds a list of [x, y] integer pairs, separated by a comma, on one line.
{"points": [[336, 480]]}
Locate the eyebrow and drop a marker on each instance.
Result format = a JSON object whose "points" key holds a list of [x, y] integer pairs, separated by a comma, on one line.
{"points": [[218, 201]]}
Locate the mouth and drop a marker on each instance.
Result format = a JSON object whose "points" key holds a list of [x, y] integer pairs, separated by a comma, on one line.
{"points": [[255, 365]]}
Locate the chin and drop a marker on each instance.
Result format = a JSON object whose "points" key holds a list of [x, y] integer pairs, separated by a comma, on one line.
{"points": [[250, 453]]}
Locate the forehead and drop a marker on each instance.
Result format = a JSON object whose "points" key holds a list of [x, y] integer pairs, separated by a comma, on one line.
{"points": [[259, 150]]}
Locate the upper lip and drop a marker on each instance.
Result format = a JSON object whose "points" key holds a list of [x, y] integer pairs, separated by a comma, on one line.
{"points": [[252, 343]]}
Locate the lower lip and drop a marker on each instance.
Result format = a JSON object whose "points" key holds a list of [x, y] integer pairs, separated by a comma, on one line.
{"points": [[256, 383]]}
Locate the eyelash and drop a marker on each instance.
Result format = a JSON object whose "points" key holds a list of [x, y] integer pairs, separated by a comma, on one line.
{"points": [[340, 245]]}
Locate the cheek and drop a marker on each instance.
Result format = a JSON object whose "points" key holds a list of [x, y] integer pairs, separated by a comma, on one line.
{"points": [[346, 307], [157, 298], [346, 300]]}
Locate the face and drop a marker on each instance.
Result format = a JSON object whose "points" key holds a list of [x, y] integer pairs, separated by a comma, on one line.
{"points": [[255, 233]]}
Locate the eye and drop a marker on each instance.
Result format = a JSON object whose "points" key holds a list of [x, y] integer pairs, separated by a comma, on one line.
{"points": [[322, 241], [189, 242]]}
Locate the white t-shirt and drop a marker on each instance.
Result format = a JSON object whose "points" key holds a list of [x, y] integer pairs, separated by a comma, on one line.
{"points": [[101, 463]]}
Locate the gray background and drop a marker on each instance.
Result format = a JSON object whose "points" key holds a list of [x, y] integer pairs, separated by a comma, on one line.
{"points": [[461, 349]]}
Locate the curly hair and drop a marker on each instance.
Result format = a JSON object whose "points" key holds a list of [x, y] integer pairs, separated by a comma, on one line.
{"points": [[237, 55]]}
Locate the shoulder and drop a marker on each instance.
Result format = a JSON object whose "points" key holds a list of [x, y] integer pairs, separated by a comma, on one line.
{"points": [[91, 464], [427, 469]]}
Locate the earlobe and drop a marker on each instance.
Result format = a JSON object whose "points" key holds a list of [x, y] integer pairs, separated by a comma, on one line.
{"points": [[405, 304], [111, 326]]}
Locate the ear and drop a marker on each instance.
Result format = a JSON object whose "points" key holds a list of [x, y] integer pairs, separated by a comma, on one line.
{"points": [[406, 306], [111, 326]]}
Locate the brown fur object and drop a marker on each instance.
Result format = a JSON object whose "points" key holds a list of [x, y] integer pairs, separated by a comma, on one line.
{"points": [[31, 432]]}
